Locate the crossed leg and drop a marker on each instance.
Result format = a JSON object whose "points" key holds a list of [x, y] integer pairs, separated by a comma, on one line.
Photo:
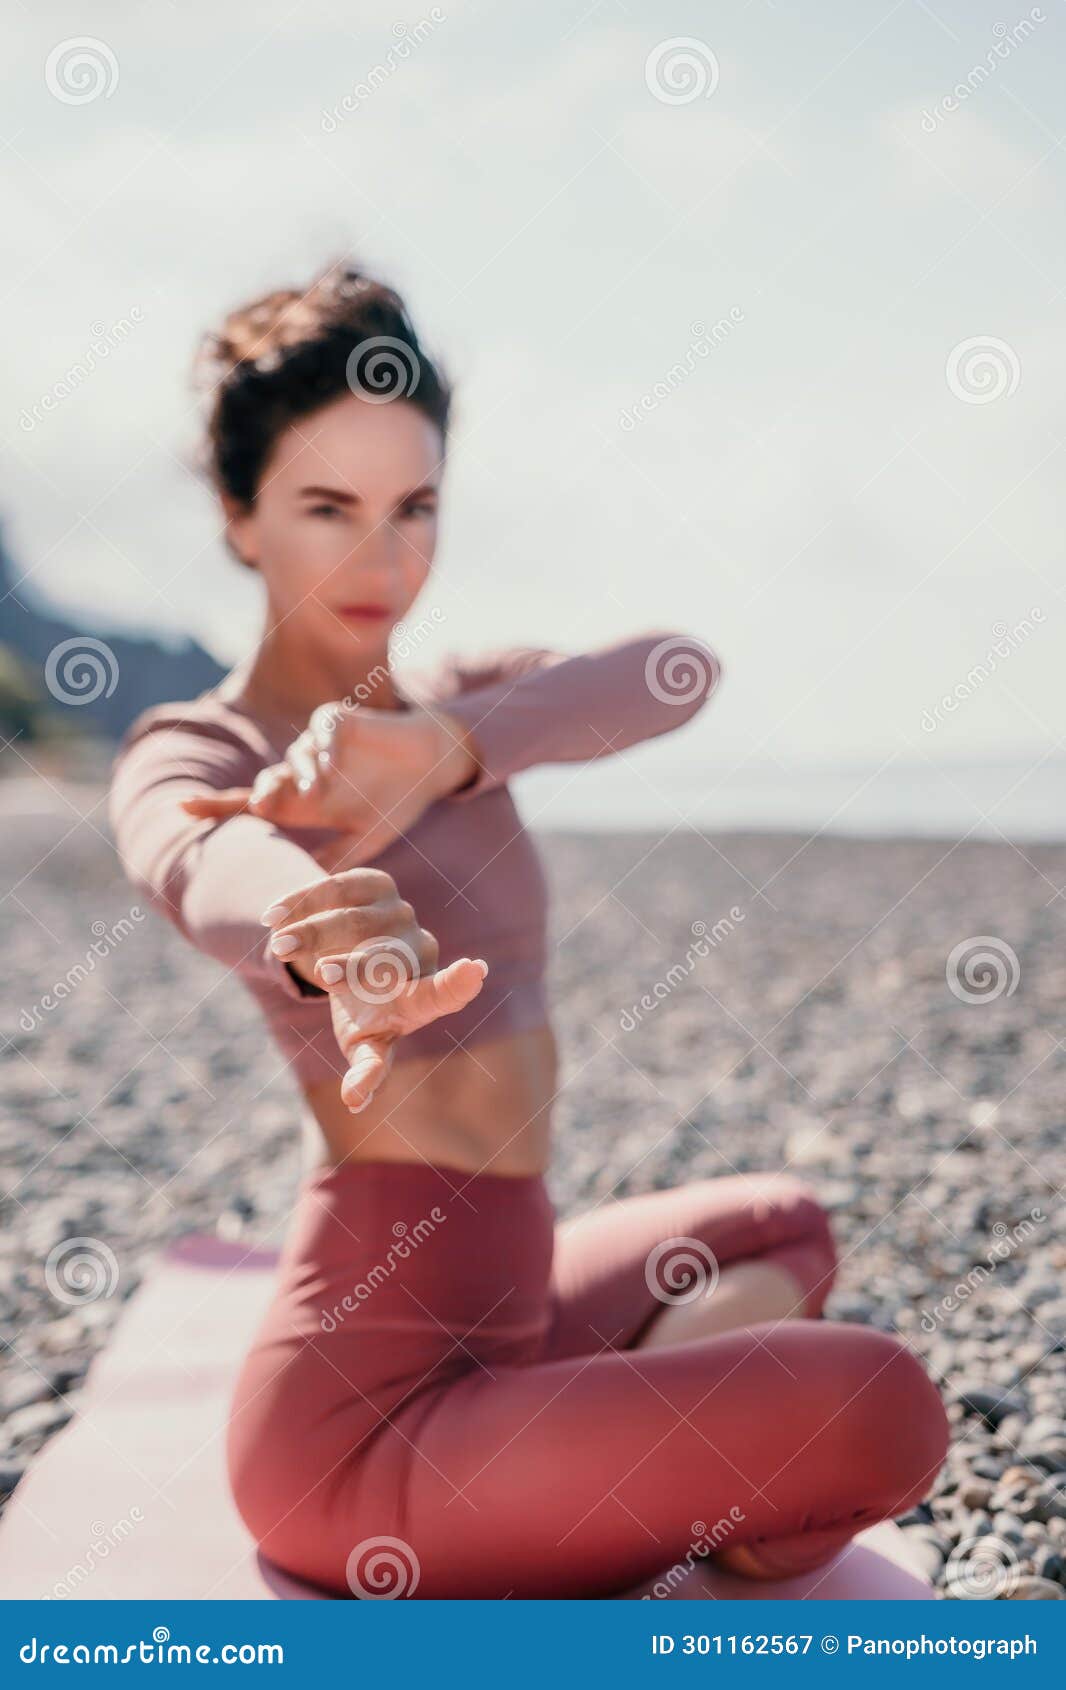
{"points": [[586, 1475], [600, 1463], [670, 1266]]}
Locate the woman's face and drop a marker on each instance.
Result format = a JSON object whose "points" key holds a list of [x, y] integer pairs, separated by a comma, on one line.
{"points": [[345, 521]]}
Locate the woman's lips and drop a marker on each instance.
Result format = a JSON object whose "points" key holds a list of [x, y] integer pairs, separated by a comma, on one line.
{"points": [[364, 612]]}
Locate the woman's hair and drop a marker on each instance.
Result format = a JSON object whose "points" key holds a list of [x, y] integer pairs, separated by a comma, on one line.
{"points": [[283, 356]]}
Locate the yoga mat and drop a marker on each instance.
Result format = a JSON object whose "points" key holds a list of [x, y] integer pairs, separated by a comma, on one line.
{"points": [[130, 1501]]}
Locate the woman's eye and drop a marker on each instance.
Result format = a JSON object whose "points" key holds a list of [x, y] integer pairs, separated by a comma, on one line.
{"points": [[325, 510], [425, 507]]}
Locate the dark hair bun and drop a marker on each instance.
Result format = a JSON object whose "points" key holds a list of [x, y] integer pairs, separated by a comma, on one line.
{"points": [[284, 355]]}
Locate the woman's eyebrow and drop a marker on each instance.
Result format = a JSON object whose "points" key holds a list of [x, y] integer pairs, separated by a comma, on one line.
{"points": [[336, 493]]}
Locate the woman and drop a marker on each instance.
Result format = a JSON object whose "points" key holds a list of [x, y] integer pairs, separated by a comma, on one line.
{"points": [[450, 1397]]}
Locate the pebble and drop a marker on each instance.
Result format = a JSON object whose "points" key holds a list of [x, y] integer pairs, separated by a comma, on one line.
{"points": [[37, 1417], [992, 1404], [928, 1553], [974, 1493], [1049, 1564], [1051, 1498], [1033, 1589], [9, 1477]]}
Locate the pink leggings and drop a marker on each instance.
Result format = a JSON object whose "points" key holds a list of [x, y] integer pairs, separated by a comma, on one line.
{"points": [[444, 1398]]}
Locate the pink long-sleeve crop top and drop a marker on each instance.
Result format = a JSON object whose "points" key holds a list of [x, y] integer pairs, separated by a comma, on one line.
{"points": [[467, 866]]}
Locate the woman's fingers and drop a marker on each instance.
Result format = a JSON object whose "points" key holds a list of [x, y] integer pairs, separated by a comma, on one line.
{"points": [[375, 977], [343, 930], [303, 762], [353, 889], [265, 797], [370, 1061], [383, 993], [230, 801], [323, 727], [446, 991]]}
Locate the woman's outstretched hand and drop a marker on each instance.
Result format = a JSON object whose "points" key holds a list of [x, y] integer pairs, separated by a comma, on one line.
{"points": [[370, 773], [353, 935]]}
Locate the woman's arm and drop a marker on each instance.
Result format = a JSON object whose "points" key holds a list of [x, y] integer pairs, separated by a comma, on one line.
{"points": [[212, 879], [372, 773], [347, 935], [528, 705]]}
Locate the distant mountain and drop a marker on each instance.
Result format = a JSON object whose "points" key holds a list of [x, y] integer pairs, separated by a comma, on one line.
{"points": [[96, 678]]}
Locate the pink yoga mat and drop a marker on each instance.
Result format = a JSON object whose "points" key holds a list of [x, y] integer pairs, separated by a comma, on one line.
{"points": [[130, 1499]]}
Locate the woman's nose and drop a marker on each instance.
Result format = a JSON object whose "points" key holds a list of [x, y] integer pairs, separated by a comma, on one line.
{"points": [[379, 552]]}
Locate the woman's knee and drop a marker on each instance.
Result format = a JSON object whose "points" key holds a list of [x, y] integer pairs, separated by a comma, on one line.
{"points": [[889, 1422], [802, 1239]]}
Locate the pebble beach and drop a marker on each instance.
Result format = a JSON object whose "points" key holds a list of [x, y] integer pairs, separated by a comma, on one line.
{"points": [[883, 1018]]}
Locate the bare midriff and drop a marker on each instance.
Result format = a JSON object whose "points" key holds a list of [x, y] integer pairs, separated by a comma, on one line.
{"points": [[482, 1109]]}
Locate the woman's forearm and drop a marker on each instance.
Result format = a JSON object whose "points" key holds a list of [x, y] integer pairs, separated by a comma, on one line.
{"points": [[560, 709], [239, 871], [213, 880]]}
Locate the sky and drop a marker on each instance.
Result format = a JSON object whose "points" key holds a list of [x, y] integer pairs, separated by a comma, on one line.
{"points": [[755, 314]]}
